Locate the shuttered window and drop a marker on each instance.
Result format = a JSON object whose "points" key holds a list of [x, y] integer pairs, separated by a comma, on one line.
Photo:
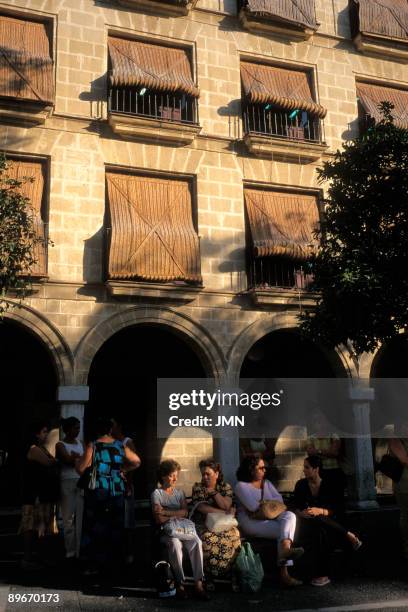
{"points": [[152, 233], [26, 66]]}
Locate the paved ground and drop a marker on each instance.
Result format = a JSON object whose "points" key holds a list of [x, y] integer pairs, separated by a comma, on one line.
{"points": [[372, 579], [347, 595]]}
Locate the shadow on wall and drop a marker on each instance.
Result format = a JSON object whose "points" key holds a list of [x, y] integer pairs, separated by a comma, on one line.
{"points": [[97, 97], [93, 257], [343, 23], [233, 112], [352, 130]]}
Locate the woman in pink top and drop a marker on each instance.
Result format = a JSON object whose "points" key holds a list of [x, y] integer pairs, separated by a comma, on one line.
{"points": [[251, 477]]}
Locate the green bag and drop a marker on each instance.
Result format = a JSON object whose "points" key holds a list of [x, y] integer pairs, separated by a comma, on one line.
{"points": [[249, 569]]}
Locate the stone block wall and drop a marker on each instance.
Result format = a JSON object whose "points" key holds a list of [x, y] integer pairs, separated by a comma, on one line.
{"points": [[79, 146]]}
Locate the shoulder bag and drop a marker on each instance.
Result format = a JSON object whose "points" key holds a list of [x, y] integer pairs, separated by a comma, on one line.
{"points": [[391, 466], [268, 509]]}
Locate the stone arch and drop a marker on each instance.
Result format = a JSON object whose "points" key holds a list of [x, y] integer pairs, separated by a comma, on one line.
{"points": [[337, 358], [195, 335], [38, 325]]}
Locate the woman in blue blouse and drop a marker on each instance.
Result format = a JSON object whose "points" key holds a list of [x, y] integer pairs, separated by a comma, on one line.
{"points": [[104, 504]]}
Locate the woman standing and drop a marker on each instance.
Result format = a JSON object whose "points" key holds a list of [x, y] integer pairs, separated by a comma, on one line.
{"points": [[214, 495], [250, 490], [68, 451], [320, 504], [104, 504], [170, 503], [40, 492]]}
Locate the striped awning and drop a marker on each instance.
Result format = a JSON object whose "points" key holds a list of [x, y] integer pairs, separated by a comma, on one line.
{"points": [[33, 190], [26, 66], [152, 232], [371, 96], [139, 64], [288, 89], [282, 224], [297, 12], [383, 17]]}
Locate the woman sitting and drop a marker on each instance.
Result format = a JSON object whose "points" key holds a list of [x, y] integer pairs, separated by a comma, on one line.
{"points": [[250, 490], [318, 503], [214, 496], [170, 503]]}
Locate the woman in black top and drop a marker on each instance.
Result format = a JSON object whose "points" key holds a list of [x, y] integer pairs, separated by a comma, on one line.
{"points": [[319, 506]]}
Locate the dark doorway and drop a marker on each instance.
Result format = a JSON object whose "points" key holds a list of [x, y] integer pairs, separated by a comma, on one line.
{"points": [[285, 354], [390, 405], [123, 380], [282, 354], [28, 383]]}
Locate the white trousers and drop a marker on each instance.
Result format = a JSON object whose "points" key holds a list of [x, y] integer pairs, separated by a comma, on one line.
{"points": [[72, 506], [281, 528], [193, 546]]}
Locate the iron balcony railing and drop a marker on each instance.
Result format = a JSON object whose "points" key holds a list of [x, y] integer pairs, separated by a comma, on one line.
{"points": [[164, 106], [274, 272], [296, 125]]}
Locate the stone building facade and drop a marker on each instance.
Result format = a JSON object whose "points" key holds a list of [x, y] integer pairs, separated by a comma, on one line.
{"points": [[78, 307]]}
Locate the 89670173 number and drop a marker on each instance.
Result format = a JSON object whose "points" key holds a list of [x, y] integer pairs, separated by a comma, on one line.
{"points": [[40, 598]]}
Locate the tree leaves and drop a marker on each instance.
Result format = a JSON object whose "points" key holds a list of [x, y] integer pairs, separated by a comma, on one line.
{"points": [[361, 270]]}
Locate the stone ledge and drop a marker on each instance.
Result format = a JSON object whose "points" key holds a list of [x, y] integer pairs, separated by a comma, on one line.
{"points": [[153, 129], [268, 25], [157, 291], [391, 48], [283, 148], [283, 297], [22, 112], [170, 8]]}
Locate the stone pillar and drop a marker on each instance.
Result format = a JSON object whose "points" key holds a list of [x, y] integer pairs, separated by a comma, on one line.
{"points": [[72, 399], [226, 448], [362, 493]]}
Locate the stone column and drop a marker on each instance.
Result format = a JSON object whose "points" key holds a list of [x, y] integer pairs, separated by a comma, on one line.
{"points": [[226, 448], [362, 493], [73, 399]]}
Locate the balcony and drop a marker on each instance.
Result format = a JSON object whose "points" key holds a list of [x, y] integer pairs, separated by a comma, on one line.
{"points": [[171, 8], [283, 18], [273, 280], [171, 118], [293, 135]]}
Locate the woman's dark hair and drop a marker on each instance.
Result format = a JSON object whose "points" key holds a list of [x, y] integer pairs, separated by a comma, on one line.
{"points": [[213, 465], [103, 426], [33, 430], [314, 461], [68, 423], [245, 472], [166, 467]]}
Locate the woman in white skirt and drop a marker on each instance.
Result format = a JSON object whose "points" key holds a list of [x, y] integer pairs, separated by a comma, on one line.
{"points": [[68, 451]]}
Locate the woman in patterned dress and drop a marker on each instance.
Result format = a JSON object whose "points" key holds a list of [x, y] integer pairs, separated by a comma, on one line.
{"points": [[215, 495]]}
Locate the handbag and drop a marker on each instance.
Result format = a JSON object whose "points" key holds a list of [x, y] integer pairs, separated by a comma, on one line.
{"points": [[249, 568], [217, 522], [391, 466], [179, 527], [268, 509]]}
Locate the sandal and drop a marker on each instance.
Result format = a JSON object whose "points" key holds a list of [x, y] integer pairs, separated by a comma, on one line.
{"points": [[321, 581], [357, 544], [291, 554], [290, 582]]}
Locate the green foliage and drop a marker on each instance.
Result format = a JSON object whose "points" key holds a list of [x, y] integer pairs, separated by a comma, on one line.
{"points": [[17, 237], [361, 270]]}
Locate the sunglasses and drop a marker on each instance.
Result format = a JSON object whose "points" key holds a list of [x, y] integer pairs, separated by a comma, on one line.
{"points": [[262, 468]]}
